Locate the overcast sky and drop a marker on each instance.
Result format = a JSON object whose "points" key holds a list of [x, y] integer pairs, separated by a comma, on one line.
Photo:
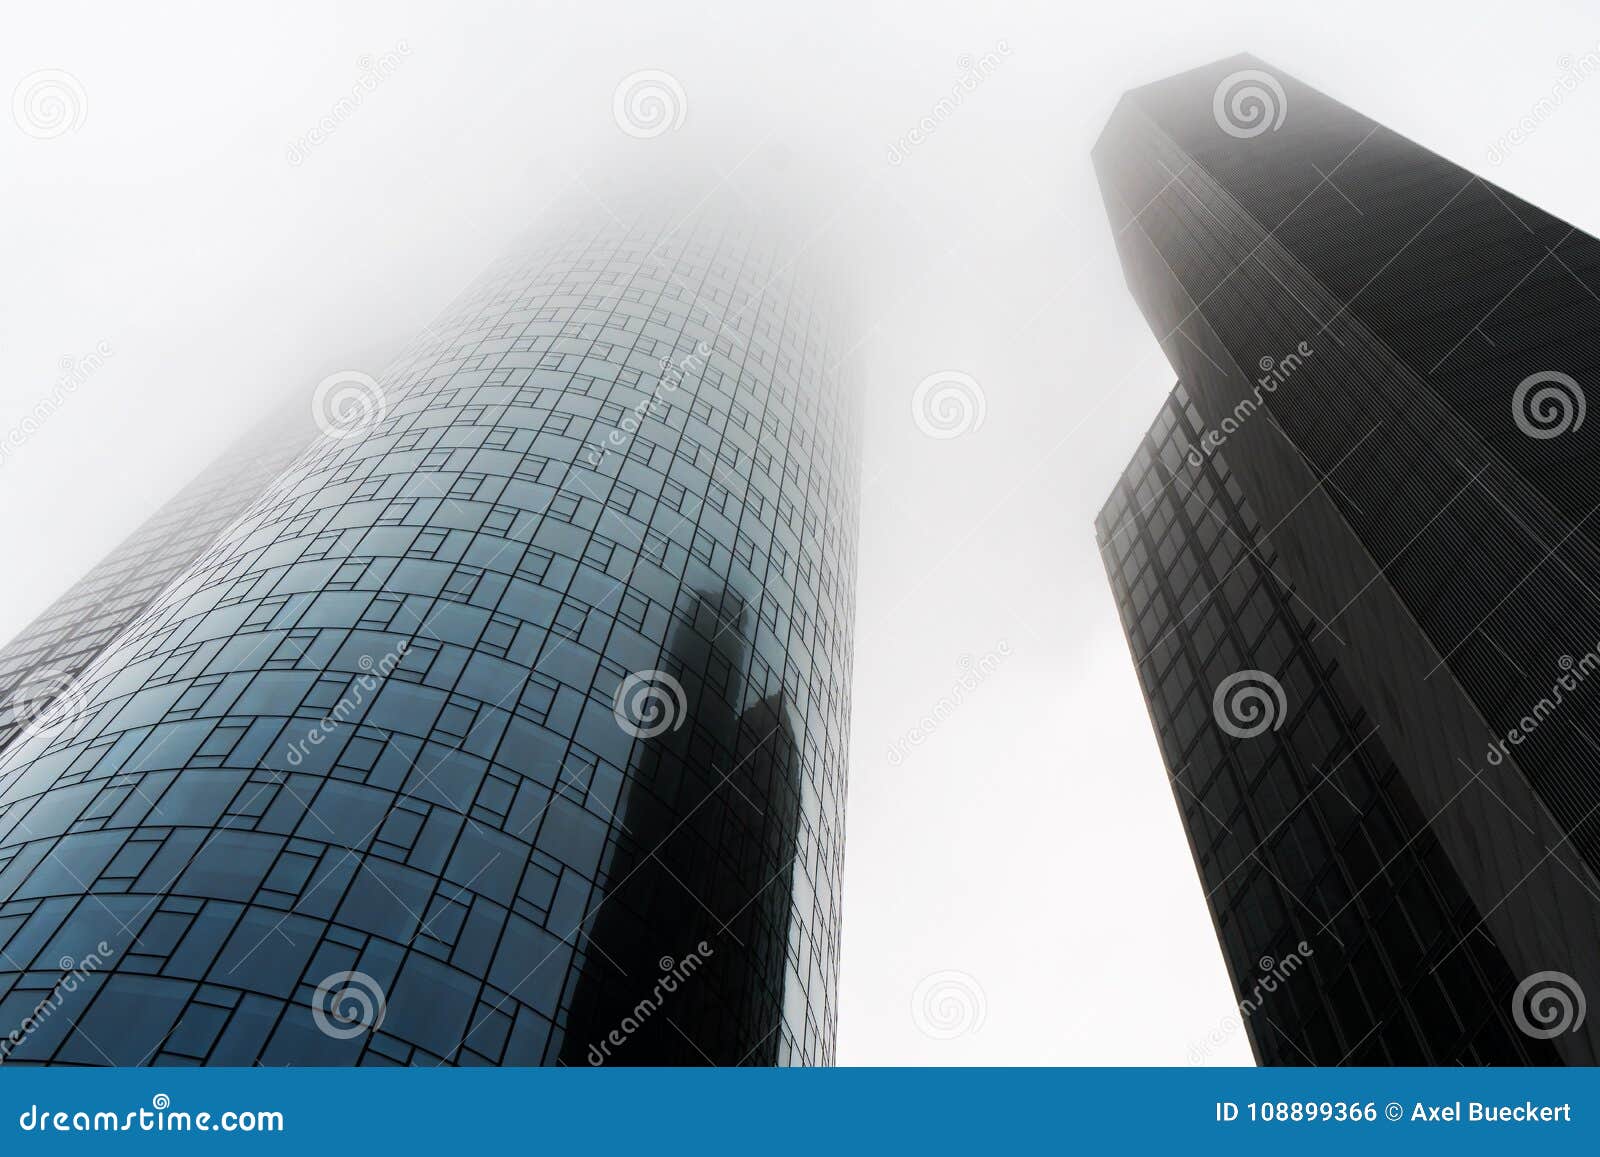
{"points": [[1018, 889]]}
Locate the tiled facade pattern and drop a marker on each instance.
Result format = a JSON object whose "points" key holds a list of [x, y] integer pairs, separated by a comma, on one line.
{"points": [[373, 728], [44, 658], [1305, 833], [1447, 555]]}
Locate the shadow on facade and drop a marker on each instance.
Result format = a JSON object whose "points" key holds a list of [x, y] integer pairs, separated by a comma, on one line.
{"points": [[686, 949]]}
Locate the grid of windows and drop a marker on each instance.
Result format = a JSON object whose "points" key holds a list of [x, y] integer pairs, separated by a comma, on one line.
{"points": [[375, 728], [1305, 833], [1356, 317], [42, 660]]}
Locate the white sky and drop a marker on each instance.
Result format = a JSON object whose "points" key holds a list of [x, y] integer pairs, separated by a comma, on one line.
{"points": [[1031, 843]]}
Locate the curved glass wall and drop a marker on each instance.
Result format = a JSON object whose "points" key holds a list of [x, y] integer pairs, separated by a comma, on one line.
{"points": [[507, 727]]}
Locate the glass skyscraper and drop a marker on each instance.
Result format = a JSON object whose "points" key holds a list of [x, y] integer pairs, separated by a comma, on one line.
{"points": [[1356, 564], [44, 659], [507, 725], [1288, 791]]}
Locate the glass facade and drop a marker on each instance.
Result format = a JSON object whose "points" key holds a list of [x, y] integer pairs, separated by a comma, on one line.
{"points": [[43, 660], [1309, 844], [508, 726], [1366, 334]]}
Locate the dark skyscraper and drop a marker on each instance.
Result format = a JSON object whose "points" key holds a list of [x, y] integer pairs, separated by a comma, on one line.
{"points": [[1288, 790], [507, 727], [1357, 567]]}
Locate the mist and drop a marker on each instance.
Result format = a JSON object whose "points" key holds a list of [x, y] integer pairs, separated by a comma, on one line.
{"points": [[211, 208]]}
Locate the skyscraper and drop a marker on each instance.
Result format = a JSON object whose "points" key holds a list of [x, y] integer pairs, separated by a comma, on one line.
{"points": [[1346, 931], [508, 726], [1355, 559], [44, 659]]}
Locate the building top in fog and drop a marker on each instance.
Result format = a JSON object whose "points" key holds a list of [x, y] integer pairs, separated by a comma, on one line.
{"points": [[1391, 355], [509, 725]]}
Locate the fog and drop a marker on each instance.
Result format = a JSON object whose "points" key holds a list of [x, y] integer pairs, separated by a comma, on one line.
{"points": [[230, 202]]}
